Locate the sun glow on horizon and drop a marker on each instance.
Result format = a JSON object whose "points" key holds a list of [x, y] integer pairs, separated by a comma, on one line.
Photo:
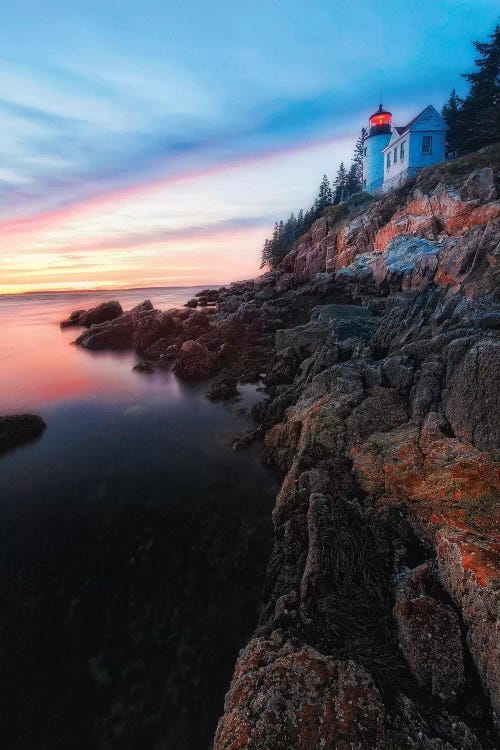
{"points": [[195, 231]]}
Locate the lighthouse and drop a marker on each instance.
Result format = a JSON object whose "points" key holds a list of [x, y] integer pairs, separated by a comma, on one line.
{"points": [[379, 135]]}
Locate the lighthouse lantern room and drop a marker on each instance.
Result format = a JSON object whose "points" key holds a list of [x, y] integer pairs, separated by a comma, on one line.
{"points": [[380, 121]]}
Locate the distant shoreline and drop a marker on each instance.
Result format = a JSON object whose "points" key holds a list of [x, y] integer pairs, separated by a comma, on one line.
{"points": [[110, 291]]}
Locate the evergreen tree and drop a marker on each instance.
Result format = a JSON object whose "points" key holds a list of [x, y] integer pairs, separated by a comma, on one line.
{"points": [[452, 115], [481, 108], [265, 258], [480, 112], [358, 158], [353, 181], [341, 184], [325, 197]]}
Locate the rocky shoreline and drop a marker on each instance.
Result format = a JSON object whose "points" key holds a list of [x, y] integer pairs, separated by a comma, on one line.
{"points": [[378, 343]]}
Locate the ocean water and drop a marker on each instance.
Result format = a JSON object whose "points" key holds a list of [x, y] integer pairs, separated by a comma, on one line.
{"points": [[133, 540]]}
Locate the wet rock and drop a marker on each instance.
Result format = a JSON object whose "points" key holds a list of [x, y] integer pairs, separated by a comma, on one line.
{"points": [[161, 349], [18, 429], [192, 303], [73, 319], [114, 337], [139, 328], [145, 367], [245, 440], [223, 389], [195, 361], [100, 314], [196, 325], [209, 295]]}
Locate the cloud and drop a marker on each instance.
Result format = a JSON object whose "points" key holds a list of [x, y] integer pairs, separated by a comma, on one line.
{"points": [[138, 135]]}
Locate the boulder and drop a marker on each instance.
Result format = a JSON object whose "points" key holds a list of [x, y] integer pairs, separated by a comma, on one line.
{"points": [[74, 319], [284, 696], [161, 349], [430, 638], [18, 429], [116, 336], [145, 367], [223, 389], [197, 324], [195, 361], [209, 295], [100, 314]]}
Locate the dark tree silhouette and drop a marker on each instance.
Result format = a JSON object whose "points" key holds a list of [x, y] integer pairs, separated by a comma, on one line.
{"points": [[475, 121]]}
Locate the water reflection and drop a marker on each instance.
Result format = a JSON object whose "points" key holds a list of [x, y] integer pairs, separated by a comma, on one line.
{"points": [[133, 541]]}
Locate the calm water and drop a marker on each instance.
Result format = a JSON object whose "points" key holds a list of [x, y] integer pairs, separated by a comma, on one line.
{"points": [[133, 540]]}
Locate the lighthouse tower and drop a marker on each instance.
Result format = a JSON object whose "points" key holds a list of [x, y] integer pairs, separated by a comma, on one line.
{"points": [[379, 135]]}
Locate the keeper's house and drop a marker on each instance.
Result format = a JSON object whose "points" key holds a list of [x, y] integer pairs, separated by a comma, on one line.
{"points": [[392, 154]]}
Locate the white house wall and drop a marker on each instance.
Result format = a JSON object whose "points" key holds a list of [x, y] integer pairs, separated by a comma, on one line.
{"points": [[401, 166]]}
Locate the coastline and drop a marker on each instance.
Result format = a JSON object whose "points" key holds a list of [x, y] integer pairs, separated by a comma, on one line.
{"points": [[377, 343]]}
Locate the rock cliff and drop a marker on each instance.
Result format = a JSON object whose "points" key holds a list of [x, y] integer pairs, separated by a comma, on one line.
{"points": [[379, 626], [378, 341]]}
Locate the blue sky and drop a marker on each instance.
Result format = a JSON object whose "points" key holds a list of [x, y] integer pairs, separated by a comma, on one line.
{"points": [[123, 124]]}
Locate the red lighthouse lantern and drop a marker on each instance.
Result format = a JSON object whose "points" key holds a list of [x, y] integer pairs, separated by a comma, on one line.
{"points": [[380, 122]]}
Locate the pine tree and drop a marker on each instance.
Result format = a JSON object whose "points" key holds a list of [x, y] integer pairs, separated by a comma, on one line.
{"points": [[353, 181], [265, 258], [481, 108], [325, 197], [358, 157], [452, 115], [341, 184]]}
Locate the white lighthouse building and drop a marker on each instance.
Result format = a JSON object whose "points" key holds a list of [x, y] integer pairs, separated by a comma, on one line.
{"points": [[392, 154]]}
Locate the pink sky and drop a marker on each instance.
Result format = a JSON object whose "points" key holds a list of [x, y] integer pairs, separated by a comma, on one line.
{"points": [[184, 230]]}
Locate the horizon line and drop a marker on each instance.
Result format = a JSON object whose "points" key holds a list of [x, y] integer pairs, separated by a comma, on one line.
{"points": [[115, 289]]}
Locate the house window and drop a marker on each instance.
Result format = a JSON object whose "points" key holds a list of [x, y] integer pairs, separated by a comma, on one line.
{"points": [[427, 144], [402, 151], [396, 155], [389, 160]]}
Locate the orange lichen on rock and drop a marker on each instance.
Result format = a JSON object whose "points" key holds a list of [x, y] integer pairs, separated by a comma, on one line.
{"points": [[443, 212], [469, 567], [426, 466], [283, 696], [453, 492]]}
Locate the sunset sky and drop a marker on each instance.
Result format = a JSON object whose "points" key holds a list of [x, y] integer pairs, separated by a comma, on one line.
{"points": [[155, 143]]}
